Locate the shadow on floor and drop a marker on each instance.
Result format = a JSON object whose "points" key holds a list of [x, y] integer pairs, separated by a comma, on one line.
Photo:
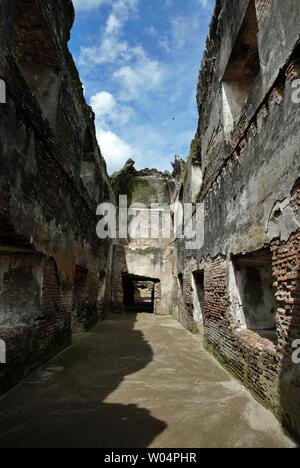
{"points": [[64, 404], [139, 308]]}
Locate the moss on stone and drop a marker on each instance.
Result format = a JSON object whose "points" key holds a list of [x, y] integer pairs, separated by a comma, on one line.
{"points": [[267, 403], [140, 191]]}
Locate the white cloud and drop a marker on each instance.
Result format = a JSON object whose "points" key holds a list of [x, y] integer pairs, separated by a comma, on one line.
{"points": [[164, 43], [108, 111], [111, 48], [124, 8], [136, 72], [152, 31], [185, 27], [119, 6], [103, 104], [113, 25], [88, 4], [204, 3], [182, 26], [115, 150], [145, 75], [151, 114]]}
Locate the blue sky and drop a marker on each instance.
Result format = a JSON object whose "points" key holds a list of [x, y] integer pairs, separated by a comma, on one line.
{"points": [[139, 62]]}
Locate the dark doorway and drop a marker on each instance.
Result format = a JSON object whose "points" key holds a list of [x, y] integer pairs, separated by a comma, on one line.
{"points": [[139, 293], [255, 303], [79, 294], [199, 298]]}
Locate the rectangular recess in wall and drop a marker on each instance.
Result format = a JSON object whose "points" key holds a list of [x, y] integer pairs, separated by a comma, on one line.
{"points": [[199, 295], [242, 69], [181, 280], [252, 293], [20, 287]]}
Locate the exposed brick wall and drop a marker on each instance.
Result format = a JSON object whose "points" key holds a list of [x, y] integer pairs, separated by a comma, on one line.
{"points": [[19, 288], [88, 304], [33, 338], [286, 261], [54, 322], [22, 355], [216, 303], [266, 369], [44, 206], [249, 357], [187, 291], [246, 173]]}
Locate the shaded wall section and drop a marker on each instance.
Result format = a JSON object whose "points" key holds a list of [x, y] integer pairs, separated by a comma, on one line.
{"points": [[149, 256], [52, 176]]}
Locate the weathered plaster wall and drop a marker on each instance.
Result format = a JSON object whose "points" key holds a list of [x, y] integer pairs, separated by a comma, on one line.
{"points": [[150, 258], [47, 216], [154, 262], [248, 190]]}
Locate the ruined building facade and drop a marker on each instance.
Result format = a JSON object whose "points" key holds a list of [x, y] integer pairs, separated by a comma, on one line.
{"points": [[244, 283], [53, 268], [241, 288], [144, 256]]}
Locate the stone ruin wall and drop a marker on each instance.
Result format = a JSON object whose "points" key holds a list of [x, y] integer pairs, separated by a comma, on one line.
{"points": [[56, 276], [54, 271], [250, 190], [146, 258]]}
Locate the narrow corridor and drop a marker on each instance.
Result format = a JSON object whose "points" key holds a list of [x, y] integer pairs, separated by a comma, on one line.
{"points": [[135, 381]]}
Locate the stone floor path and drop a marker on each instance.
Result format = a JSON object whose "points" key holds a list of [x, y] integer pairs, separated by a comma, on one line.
{"points": [[135, 381]]}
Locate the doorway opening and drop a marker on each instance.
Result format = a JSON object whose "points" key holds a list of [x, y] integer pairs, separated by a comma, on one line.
{"points": [[141, 294], [199, 295], [253, 295], [79, 294]]}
